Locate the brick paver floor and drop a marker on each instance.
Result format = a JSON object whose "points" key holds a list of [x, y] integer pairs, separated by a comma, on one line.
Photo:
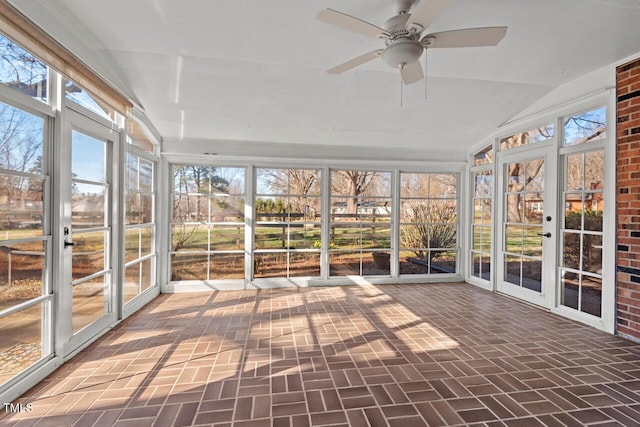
{"points": [[394, 355]]}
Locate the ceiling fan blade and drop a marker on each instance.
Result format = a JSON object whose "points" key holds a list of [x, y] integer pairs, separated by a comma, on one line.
{"points": [[353, 63], [411, 73], [469, 37], [350, 23], [426, 12]]}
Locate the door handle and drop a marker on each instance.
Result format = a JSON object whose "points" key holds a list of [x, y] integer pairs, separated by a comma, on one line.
{"points": [[66, 244], [545, 234]]}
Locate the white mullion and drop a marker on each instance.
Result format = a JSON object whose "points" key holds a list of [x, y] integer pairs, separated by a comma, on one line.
{"points": [[249, 222], [395, 223], [325, 208]]}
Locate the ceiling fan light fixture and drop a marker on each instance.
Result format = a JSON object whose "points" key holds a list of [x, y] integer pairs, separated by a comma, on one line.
{"points": [[402, 51]]}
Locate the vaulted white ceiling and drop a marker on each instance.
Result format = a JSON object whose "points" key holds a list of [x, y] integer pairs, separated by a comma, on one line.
{"points": [[248, 76]]}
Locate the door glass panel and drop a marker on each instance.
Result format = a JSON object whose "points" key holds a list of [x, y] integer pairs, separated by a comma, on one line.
{"points": [[90, 230], [88, 205], [88, 256], [592, 253], [569, 291], [89, 302], [523, 224], [532, 274], [591, 295], [571, 250], [532, 241], [512, 269], [88, 161]]}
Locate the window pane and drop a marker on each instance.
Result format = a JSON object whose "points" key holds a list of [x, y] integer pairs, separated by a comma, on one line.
{"points": [[147, 277], [227, 209], [414, 263], [226, 266], [304, 236], [189, 237], [483, 157], [227, 237], [376, 264], [21, 345], [21, 273], [414, 210], [361, 183], [270, 265], [575, 172], [22, 71], [345, 263], [483, 184], [585, 127], [75, 93], [137, 137], [131, 244], [442, 262], [304, 264], [21, 206], [414, 185], [346, 236], [528, 137], [219, 181], [146, 176], [189, 266], [376, 237], [21, 140]]}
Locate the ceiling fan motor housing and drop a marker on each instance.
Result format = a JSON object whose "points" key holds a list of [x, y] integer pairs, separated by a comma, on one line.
{"points": [[402, 52]]}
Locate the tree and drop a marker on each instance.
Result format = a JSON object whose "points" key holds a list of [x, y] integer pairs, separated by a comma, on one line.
{"points": [[192, 187], [300, 185], [353, 184], [21, 70]]}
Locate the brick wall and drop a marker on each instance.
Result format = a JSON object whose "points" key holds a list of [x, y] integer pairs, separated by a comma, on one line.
{"points": [[628, 200]]}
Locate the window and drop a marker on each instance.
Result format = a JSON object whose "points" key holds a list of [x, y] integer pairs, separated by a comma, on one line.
{"points": [[140, 226], [22, 71], [208, 223], [428, 223], [137, 137], [531, 136], [585, 127], [287, 235], [75, 93], [583, 195], [25, 294], [360, 223], [483, 157], [481, 226]]}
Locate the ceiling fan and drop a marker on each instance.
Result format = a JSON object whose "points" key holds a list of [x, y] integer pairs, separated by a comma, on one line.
{"points": [[403, 37]]}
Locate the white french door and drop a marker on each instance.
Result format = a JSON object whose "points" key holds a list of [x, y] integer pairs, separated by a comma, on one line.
{"points": [[527, 225], [88, 300]]}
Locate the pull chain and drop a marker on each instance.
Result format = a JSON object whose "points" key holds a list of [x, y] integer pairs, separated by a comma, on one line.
{"points": [[425, 73], [401, 66]]}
